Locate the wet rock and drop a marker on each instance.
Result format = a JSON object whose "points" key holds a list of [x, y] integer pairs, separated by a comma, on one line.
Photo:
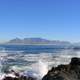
{"points": [[12, 75], [75, 61], [65, 72], [19, 78], [10, 78]]}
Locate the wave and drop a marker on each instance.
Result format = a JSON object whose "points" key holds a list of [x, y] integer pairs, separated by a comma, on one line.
{"points": [[34, 65]]}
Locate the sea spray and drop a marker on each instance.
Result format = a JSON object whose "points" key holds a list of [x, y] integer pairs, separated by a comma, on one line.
{"points": [[35, 65], [38, 70], [43, 68]]}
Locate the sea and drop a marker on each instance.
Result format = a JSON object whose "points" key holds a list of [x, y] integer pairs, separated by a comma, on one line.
{"points": [[34, 60]]}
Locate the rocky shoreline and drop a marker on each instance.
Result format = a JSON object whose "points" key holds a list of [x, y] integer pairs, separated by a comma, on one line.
{"points": [[61, 72], [65, 72], [12, 75]]}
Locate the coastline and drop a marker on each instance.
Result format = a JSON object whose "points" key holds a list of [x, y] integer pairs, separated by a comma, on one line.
{"points": [[61, 72]]}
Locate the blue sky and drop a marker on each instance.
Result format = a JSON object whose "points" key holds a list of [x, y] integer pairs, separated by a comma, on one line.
{"points": [[50, 19]]}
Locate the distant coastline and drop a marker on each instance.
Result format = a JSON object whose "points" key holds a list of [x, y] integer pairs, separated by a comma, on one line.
{"points": [[35, 41]]}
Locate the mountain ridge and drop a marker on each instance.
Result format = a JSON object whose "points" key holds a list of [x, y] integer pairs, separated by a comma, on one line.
{"points": [[36, 41]]}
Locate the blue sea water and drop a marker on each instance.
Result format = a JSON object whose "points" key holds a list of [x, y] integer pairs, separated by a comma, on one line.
{"points": [[37, 59], [32, 48]]}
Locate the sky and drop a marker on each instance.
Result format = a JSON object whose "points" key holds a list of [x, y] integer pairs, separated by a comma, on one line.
{"points": [[50, 19]]}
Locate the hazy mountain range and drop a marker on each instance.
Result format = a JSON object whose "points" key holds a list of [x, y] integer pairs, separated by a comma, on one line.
{"points": [[36, 41]]}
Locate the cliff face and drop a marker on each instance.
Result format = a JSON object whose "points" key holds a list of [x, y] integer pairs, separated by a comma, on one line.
{"points": [[65, 72]]}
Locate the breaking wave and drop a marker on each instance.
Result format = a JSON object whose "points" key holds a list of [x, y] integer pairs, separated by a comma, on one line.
{"points": [[34, 65]]}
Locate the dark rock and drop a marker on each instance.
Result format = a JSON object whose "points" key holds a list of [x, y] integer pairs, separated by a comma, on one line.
{"points": [[75, 61], [10, 78], [65, 72], [17, 76]]}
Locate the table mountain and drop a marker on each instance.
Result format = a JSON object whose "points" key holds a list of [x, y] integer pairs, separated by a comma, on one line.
{"points": [[26, 41]]}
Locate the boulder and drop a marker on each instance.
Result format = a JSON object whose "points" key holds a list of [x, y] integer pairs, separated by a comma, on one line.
{"points": [[65, 72]]}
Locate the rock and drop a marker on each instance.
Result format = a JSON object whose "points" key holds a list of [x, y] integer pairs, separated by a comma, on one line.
{"points": [[10, 78], [12, 75], [70, 71], [75, 61], [65, 72], [19, 78]]}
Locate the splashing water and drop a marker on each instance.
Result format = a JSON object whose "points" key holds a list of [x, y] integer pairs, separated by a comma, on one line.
{"points": [[38, 70], [36, 65], [41, 67]]}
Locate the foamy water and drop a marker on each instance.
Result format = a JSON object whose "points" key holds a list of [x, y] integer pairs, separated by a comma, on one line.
{"points": [[34, 65]]}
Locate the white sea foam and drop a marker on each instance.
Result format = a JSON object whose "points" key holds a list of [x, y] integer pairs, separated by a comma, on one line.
{"points": [[41, 68], [40, 63]]}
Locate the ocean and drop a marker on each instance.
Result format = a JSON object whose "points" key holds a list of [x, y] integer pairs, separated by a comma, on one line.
{"points": [[34, 60]]}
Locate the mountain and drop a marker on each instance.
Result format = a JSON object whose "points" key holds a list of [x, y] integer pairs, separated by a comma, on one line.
{"points": [[16, 40], [37, 41]]}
